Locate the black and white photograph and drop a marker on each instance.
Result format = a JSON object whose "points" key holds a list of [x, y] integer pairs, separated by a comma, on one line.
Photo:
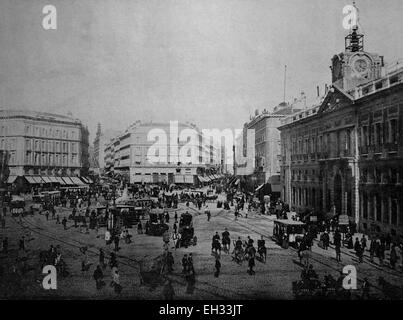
{"points": [[201, 150]]}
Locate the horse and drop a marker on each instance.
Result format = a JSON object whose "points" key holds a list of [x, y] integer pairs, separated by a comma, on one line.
{"points": [[262, 250], [216, 246]]}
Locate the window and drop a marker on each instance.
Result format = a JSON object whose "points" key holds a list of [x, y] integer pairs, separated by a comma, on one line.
{"points": [[28, 144], [393, 131], [364, 140], [378, 208]]}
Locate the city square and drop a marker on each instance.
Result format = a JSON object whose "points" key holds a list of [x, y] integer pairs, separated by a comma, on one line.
{"points": [[148, 161]]}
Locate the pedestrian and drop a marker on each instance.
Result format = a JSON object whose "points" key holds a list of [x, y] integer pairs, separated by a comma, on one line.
{"points": [[190, 262], [175, 239], [176, 217], [22, 244], [64, 223], [47, 215], [98, 276], [5, 245], [338, 252], [372, 250], [139, 228], [393, 256], [207, 211], [102, 258], [217, 266], [168, 290], [363, 243], [184, 263], [190, 280], [116, 280], [112, 260], [175, 227], [365, 289], [251, 265], [170, 262], [57, 219], [381, 252]]}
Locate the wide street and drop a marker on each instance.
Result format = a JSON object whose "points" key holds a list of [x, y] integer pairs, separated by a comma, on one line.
{"points": [[274, 277]]}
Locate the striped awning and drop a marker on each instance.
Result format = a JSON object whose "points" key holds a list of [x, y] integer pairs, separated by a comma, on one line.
{"points": [[30, 179], [89, 180], [84, 179], [60, 180], [68, 181], [11, 179], [38, 179], [53, 179], [46, 179], [77, 181]]}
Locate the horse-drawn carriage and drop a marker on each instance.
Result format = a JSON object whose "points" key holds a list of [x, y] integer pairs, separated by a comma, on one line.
{"points": [[17, 205], [186, 230], [155, 225], [288, 232]]}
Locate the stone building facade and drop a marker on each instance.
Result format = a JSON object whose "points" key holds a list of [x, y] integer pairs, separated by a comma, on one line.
{"points": [[44, 144], [345, 154]]}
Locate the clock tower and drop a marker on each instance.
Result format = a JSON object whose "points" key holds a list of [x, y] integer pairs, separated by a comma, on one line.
{"points": [[355, 66]]}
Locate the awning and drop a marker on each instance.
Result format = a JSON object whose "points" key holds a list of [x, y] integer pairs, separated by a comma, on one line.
{"points": [[30, 180], [60, 180], [46, 179], [53, 179], [259, 187], [68, 181], [77, 181], [11, 179], [84, 179], [38, 179], [89, 180]]}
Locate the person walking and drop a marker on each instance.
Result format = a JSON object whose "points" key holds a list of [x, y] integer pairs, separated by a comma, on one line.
{"points": [[372, 250], [393, 256], [102, 258], [208, 213], [64, 223], [381, 253], [116, 280], [190, 262], [184, 263], [116, 242], [22, 244], [98, 276], [168, 290], [5, 245], [217, 266], [363, 243], [175, 239]]}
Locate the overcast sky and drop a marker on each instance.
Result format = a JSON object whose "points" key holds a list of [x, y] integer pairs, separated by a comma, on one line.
{"points": [[212, 62]]}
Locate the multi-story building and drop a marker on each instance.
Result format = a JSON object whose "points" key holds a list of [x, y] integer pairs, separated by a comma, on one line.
{"points": [[345, 154], [43, 144], [162, 153], [257, 155], [102, 138]]}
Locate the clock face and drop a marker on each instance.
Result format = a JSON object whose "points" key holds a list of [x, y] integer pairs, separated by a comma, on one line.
{"points": [[361, 65]]}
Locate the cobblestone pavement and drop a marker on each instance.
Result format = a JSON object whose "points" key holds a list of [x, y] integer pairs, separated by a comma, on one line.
{"points": [[272, 280]]}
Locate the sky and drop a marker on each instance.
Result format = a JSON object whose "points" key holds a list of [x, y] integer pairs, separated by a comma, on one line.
{"points": [[210, 62]]}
